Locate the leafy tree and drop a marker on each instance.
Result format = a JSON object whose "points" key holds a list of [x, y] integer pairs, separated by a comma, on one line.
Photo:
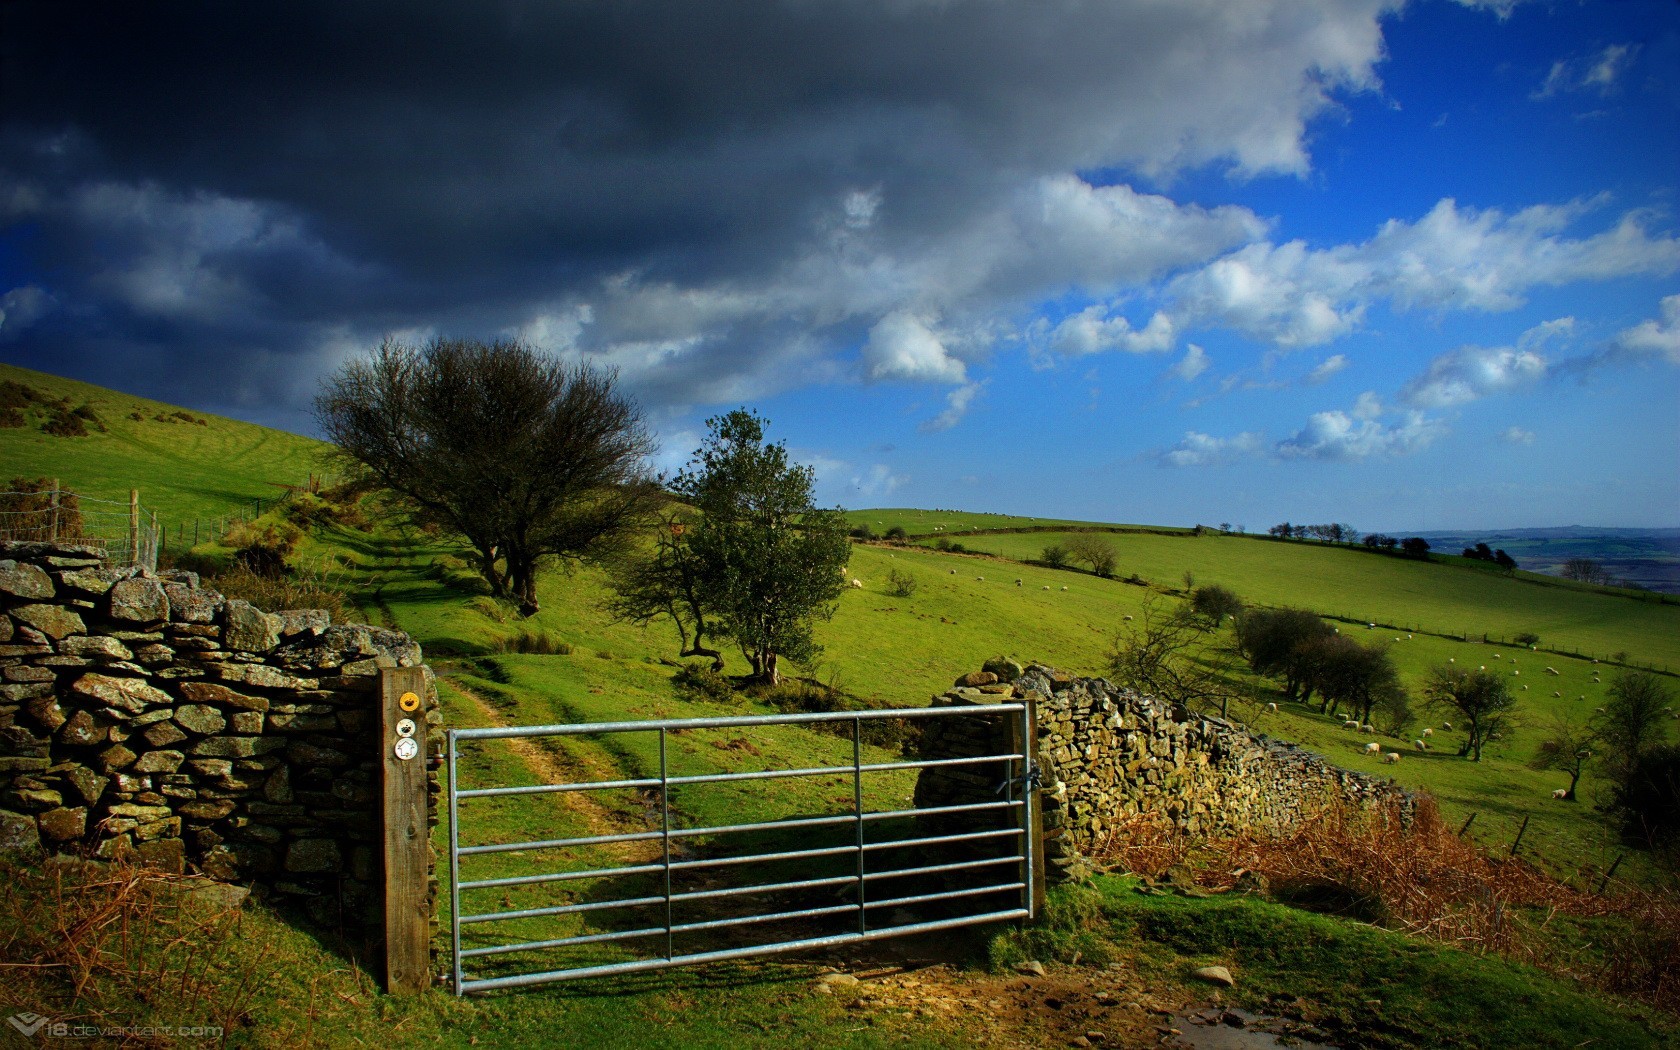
{"points": [[1273, 643], [523, 458], [1504, 561], [1648, 801], [1567, 747], [1479, 700], [1415, 547], [1636, 712], [769, 561], [1347, 673], [1055, 556], [667, 584], [1212, 604]]}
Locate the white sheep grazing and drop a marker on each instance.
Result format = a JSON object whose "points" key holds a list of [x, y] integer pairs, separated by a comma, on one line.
{"points": [[1428, 731], [1496, 656], [953, 572], [1127, 617], [1551, 670], [1046, 587], [1350, 724], [981, 579], [1064, 586], [1271, 707], [1556, 693], [1372, 748], [1420, 745], [857, 585], [1367, 728], [1446, 725], [1560, 793], [1452, 660], [1392, 757]]}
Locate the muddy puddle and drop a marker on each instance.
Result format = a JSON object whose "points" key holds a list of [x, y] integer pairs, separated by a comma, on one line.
{"points": [[1228, 1028]]}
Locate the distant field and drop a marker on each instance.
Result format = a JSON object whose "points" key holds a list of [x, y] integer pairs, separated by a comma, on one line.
{"points": [[928, 522], [183, 470], [1387, 590]]}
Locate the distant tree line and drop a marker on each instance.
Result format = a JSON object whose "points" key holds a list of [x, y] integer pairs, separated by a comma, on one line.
{"points": [[1333, 532], [1480, 552]]}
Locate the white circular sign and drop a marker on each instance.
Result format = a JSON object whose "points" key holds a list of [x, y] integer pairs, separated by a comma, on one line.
{"points": [[405, 727], [406, 748]]}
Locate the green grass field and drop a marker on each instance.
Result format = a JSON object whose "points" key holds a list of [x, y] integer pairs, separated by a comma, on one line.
{"points": [[887, 651], [183, 470]]}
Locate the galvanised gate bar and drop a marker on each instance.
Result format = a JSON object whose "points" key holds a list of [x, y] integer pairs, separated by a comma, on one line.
{"points": [[889, 872]]}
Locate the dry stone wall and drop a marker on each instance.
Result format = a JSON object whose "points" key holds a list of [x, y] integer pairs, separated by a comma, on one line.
{"points": [[1108, 755], [144, 716]]}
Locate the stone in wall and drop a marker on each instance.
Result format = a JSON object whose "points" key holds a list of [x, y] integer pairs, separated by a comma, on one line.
{"points": [[147, 717]]}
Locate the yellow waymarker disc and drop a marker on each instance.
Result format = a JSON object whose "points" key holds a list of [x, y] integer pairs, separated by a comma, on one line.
{"points": [[409, 702]]}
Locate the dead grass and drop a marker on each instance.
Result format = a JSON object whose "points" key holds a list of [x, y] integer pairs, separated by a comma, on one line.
{"points": [[1421, 878]]}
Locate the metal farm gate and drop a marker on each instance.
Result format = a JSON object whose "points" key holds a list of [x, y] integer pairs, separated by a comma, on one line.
{"points": [[654, 883]]}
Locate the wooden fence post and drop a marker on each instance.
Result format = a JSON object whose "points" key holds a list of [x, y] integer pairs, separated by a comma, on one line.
{"points": [[402, 747], [52, 530], [134, 526]]}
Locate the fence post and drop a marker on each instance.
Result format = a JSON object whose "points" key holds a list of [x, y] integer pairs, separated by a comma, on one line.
{"points": [[402, 748], [1518, 839], [156, 544], [134, 526], [52, 506]]}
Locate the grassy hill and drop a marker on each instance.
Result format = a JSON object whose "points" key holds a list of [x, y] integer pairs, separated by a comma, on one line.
{"points": [[572, 662], [186, 465]]}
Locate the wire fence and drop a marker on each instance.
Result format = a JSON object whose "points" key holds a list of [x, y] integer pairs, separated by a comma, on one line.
{"points": [[126, 532]]}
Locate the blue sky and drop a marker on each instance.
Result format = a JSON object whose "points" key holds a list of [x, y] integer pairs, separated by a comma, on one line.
{"points": [[1409, 266]]}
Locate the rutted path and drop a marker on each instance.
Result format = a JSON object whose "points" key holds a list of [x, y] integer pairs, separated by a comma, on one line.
{"points": [[555, 766]]}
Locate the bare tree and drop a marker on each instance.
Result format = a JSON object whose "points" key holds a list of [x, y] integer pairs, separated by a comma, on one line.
{"points": [[1567, 747], [667, 583], [521, 457], [1097, 551], [1169, 653], [1585, 570]]}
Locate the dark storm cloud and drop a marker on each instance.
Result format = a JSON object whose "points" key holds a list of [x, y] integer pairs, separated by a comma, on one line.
{"points": [[706, 194]]}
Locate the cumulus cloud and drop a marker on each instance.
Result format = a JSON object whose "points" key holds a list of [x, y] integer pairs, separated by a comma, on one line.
{"points": [[902, 346], [1658, 338], [1193, 364], [1092, 331], [1452, 258], [1471, 373], [1515, 435], [1338, 435]]}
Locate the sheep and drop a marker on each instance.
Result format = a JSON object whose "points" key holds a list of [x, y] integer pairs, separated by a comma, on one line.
{"points": [[1271, 707], [1446, 725], [1064, 586], [1017, 583], [1496, 656], [953, 572], [1350, 723], [1046, 587], [1551, 670], [1420, 745], [1372, 748], [1560, 793], [1556, 693], [1452, 660], [1428, 731], [1525, 687], [1127, 617], [1367, 728], [1392, 757], [857, 584], [981, 579]]}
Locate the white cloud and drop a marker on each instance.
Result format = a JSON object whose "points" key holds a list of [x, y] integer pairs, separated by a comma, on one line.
{"points": [[1329, 367], [1368, 406], [902, 346], [1470, 373], [1517, 436], [1599, 72], [1193, 364], [1337, 435], [1201, 450], [1090, 332], [956, 406], [1452, 258], [878, 480], [1654, 338]]}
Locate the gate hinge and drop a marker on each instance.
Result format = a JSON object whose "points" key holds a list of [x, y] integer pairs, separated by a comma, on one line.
{"points": [[1032, 779]]}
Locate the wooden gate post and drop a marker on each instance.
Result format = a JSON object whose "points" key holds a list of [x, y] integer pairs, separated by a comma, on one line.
{"points": [[402, 746]]}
